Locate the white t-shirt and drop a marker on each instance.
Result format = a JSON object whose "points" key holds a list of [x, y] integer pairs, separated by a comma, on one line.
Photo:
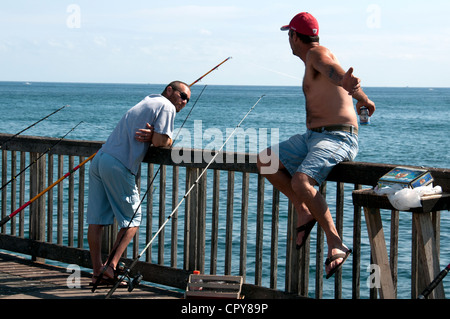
{"points": [[154, 109]]}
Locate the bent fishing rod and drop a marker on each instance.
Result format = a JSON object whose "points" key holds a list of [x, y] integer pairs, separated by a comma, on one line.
{"points": [[42, 154], [45, 117], [111, 254], [128, 269]]}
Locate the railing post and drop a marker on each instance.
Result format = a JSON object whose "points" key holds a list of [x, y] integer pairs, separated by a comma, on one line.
{"points": [[259, 230], [4, 181], [229, 223]]}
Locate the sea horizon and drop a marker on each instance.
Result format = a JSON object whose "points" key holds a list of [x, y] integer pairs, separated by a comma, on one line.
{"points": [[200, 83]]}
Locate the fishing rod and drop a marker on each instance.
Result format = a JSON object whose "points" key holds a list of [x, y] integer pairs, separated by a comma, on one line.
{"points": [[126, 271], [7, 218], [48, 150], [46, 117], [427, 291], [215, 68]]}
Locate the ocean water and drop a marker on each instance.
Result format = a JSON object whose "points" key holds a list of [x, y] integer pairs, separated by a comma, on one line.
{"points": [[410, 127]]}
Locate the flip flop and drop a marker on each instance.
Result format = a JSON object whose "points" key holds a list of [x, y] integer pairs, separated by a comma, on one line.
{"points": [[105, 282], [329, 260], [307, 229]]}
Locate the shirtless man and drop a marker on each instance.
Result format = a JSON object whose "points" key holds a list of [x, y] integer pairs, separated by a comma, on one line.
{"points": [[331, 137]]}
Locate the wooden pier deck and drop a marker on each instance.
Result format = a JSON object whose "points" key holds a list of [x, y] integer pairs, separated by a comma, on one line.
{"points": [[24, 279]]}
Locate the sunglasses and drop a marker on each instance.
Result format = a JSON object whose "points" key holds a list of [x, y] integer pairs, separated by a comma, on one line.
{"points": [[183, 96]]}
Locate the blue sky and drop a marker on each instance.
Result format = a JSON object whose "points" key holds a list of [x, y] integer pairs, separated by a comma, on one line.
{"points": [[401, 43]]}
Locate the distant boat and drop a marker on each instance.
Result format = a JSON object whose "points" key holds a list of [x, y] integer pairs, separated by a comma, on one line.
{"points": [[27, 83]]}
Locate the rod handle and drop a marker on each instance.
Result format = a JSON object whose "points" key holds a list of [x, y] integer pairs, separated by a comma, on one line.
{"points": [[4, 220]]}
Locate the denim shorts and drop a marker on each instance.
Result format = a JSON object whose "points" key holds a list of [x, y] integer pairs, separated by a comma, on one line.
{"points": [[112, 193], [315, 154]]}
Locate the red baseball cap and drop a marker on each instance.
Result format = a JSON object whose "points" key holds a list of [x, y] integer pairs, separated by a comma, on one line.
{"points": [[303, 23]]}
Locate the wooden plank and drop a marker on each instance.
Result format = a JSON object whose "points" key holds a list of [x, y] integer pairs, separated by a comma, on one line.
{"points": [[162, 213], [259, 230], [340, 229], [379, 251], [4, 181], [13, 189], [215, 221], [356, 282], [201, 222], [428, 256], [174, 233], [244, 226], [24, 279], [229, 223], [368, 198], [393, 252], [274, 238]]}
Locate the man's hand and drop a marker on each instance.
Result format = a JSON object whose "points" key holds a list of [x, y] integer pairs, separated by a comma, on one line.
{"points": [[145, 135], [367, 103], [351, 83]]}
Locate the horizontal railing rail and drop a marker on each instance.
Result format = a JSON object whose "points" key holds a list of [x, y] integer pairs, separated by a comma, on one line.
{"points": [[234, 222]]}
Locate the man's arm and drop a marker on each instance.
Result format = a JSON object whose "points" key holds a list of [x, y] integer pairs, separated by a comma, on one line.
{"points": [[148, 135], [357, 93], [324, 63], [161, 140]]}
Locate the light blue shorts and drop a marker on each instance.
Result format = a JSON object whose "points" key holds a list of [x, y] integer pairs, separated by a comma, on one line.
{"points": [[315, 154], [112, 193]]}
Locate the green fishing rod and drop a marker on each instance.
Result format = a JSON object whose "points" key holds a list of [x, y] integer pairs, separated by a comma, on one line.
{"points": [[42, 154], [126, 272], [44, 118], [111, 254]]}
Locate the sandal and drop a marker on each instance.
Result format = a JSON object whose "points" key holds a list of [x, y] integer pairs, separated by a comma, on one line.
{"points": [[106, 281], [329, 260], [307, 229]]}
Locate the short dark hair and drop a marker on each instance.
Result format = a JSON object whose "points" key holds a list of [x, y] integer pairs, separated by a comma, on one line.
{"points": [[175, 85], [307, 38]]}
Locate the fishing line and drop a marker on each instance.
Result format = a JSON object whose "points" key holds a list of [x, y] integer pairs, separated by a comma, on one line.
{"points": [[46, 117], [127, 270], [40, 156]]}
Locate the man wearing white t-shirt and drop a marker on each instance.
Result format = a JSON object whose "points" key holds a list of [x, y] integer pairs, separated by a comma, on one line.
{"points": [[113, 192]]}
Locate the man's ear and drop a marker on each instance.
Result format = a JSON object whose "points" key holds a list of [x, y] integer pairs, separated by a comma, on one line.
{"points": [[170, 91]]}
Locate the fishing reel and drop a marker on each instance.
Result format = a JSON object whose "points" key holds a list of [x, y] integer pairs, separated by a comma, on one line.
{"points": [[133, 282]]}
